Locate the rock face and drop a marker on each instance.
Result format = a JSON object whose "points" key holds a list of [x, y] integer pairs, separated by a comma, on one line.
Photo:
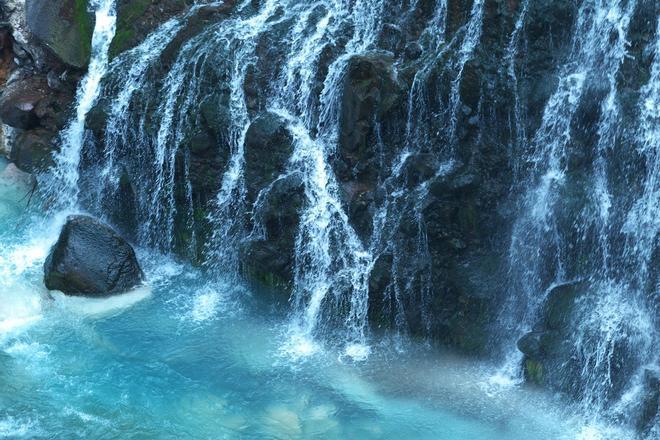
{"points": [[64, 26], [649, 405], [18, 103], [91, 259], [545, 348], [38, 112], [427, 142]]}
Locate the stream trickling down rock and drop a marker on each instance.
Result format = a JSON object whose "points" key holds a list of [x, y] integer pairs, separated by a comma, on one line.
{"points": [[357, 219]]}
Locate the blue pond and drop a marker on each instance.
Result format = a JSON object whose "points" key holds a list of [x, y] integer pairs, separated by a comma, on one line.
{"points": [[188, 357]]}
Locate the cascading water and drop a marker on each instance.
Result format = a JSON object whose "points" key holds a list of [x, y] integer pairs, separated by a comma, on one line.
{"points": [[572, 225], [67, 161], [576, 223], [535, 237]]}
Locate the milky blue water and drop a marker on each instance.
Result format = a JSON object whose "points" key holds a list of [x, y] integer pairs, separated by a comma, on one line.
{"points": [[190, 358]]}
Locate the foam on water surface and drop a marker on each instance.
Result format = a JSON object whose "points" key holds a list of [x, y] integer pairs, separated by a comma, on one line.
{"points": [[99, 307]]}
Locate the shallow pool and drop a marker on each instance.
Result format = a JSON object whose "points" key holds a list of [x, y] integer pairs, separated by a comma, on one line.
{"points": [[187, 357]]}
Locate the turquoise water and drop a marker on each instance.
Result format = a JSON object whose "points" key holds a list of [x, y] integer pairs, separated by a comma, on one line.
{"points": [[191, 358]]}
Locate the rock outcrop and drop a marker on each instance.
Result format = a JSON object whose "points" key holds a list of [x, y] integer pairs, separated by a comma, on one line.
{"points": [[64, 26], [91, 259]]}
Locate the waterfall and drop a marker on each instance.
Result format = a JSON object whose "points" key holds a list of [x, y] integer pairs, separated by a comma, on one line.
{"points": [[550, 243], [196, 85], [536, 230], [67, 161], [140, 59]]}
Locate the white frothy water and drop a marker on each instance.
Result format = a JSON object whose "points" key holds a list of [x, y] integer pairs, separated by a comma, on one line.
{"points": [[536, 238], [101, 307], [67, 161]]}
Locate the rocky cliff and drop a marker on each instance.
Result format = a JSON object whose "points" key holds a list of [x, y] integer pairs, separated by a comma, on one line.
{"points": [[439, 169]]}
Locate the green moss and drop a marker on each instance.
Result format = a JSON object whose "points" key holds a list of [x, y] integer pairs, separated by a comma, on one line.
{"points": [[83, 20], [127, 15], [534, 371], [266, 279], [121, 42]]}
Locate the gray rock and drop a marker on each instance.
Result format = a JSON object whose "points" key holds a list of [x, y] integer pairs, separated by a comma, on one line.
{"points": [[32, 151], [19, 102], [64, 26]]}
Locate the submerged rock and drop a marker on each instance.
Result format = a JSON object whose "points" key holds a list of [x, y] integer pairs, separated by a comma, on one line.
{"points": [[22, 180], [91, 259]]}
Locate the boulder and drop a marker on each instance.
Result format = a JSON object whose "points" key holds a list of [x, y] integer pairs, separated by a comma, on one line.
{"points": [[31, 103], [19, 102], [91, 259], [64, 26], [560, 303], [32, 151], [20, 179]]}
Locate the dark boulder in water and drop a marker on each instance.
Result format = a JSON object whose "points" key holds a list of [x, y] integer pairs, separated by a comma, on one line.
{"points": [[91, 259], [546, 349]]}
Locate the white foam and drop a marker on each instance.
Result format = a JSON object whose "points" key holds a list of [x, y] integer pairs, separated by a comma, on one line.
{"points": [[357, 352], [298, 346], [205, 306], [97, 307], [12, 428], [10, 325], [85, 417]]}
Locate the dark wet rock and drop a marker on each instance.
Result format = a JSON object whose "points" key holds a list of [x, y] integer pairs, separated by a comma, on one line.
{"points": [[370, 91], [6, 53], [538, 344], [138, 18], [413, 51], [64, 26], [391, 38], [269, 257], [371, 94], [268, 146], [125, 218], [560, 303], [91, 259], [32, 151], [20, 100], [551, 359], [649, 410], [39, 112]]}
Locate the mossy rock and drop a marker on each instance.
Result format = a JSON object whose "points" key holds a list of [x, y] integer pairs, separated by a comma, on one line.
{"points": [[64, 26], [534, 371], [137, 18], [127, 14]]}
